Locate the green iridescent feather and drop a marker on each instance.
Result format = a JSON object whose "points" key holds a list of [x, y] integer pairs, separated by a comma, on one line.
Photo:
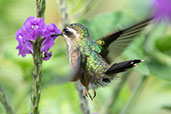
{"points": [[95, 64]]}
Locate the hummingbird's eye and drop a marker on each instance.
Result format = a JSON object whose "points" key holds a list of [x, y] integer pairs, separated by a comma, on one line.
{"points": [[66, 30]]}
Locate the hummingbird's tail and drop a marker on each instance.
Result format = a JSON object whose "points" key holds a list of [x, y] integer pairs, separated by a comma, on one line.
{"points": [[122, 66]]}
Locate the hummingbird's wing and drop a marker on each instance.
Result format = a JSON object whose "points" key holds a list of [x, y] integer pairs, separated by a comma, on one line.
{"points": [[115, 43]]}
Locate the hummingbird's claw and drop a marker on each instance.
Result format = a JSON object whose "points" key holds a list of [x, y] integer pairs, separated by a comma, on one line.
{"points": [[94, 93], [86, 93], [90, 96]]}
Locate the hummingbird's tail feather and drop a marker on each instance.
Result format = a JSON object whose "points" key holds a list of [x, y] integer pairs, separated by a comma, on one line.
{"points": [[122, 66]]}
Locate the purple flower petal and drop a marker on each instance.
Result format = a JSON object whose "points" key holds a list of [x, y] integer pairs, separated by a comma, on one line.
{"points": [[47, 44], [35, 27], [162, 9], [51, 29], [24, 46]]}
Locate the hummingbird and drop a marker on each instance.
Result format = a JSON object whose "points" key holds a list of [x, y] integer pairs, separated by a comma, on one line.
{"points": [[92, 60]]}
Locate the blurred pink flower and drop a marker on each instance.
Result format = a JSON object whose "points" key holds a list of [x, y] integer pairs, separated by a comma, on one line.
{"points": [[162, 10]]}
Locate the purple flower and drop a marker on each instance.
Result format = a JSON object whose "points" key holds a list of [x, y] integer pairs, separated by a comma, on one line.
{"points": [[162, 9], [32, 29]]}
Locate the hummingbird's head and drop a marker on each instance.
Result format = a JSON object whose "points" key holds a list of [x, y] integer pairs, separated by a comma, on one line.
{"points": [[73, 32]]}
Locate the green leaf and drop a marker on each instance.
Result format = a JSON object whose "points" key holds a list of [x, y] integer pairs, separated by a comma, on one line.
{"points": [[160, 70], [163, 44], [159, 63], [167, 107]]}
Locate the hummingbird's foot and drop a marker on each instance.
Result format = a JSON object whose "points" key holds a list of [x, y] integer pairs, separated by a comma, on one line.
{"points": [[86, 93], [94, 91]]}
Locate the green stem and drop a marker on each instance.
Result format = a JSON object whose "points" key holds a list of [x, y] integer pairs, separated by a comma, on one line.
{"points": [[134, 96], [111, 102], [41, 6], [84, 10], [63, 10], [37, 76], [37, 59], [5, 102]]}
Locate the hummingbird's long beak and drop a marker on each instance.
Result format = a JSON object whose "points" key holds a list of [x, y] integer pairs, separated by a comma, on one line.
{"points": [[59, 34]]}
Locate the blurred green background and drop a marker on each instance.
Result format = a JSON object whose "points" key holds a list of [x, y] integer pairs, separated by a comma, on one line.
{"points": [[101, 17]]}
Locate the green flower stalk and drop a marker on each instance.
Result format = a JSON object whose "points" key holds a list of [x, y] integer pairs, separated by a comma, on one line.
{"points": [[37, 76]]}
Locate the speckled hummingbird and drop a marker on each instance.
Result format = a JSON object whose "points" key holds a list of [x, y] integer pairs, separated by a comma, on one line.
{"points": [[91, 61]]}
